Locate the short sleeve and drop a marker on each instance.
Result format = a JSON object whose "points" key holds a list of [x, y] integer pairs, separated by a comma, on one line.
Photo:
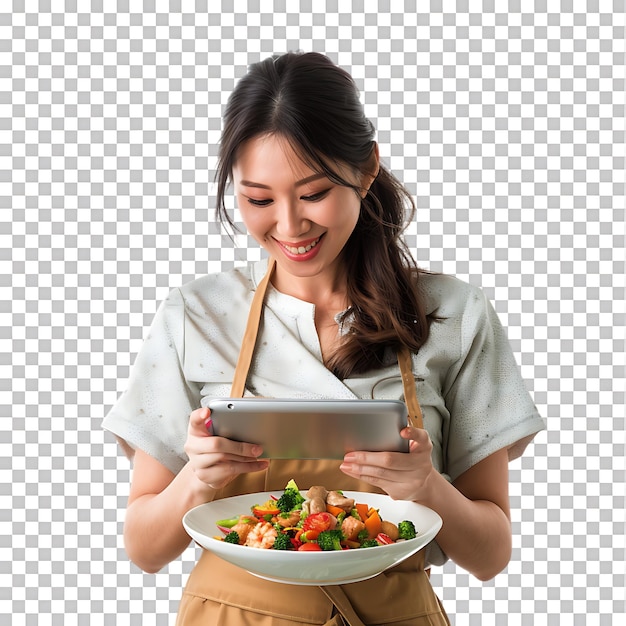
{"points": [[153, 412], [490, 407]]}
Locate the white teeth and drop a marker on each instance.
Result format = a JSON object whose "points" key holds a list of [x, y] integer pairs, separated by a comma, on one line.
{"points": [[301, 249]]}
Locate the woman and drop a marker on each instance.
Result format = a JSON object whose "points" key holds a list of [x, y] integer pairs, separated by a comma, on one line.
{"points": [[343, 297]]}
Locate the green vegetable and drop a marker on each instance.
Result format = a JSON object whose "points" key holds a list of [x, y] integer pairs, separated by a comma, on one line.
{"points": [[283, 542], [290, 500], [370, 543], [406, 530], [363, 535], [330, 539], [228, 523], [232, 537]]}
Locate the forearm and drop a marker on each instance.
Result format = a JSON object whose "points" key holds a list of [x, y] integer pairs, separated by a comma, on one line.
{"points": [[476, 534], [153, 531]]}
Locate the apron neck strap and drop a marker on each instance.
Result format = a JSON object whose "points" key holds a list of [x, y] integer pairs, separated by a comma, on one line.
{"points": [[249, 342], [250, 335], [410, 392]]}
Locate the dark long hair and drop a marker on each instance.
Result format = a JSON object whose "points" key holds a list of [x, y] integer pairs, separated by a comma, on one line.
{"points": [[308, 100]]}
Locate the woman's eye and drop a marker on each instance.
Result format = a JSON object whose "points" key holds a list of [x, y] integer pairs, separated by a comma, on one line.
{"points": [[315, 197], [255, 202]]}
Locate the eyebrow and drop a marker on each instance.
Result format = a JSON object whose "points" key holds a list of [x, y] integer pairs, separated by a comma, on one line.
{"points": [[304, 181]]}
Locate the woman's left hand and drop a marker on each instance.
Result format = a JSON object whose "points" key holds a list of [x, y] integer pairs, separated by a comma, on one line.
{"points": [[402, 476]]}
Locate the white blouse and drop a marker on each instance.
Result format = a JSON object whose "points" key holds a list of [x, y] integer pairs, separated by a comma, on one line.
{"points": [[473, 399]]}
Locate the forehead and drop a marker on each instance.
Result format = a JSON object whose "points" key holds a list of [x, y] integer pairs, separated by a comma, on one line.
{"points": [[275, 158], [270, 156]]}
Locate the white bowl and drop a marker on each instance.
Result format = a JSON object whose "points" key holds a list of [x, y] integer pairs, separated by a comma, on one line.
{"points": [[312, 568]]}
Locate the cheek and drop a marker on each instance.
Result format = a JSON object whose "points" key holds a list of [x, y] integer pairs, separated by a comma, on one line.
{"points": [[252, 218], [351, 210], [342, 210]]}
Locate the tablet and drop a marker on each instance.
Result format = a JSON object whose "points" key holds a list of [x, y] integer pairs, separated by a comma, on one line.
{"points": [[311, 429]]}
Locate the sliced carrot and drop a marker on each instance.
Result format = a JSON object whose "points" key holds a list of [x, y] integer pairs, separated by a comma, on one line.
{"points": [[362, 510], [373, 524], [334, 510]]}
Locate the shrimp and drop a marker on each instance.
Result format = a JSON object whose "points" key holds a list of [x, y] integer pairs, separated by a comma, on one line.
{"points": [[243, 527], [287, 522], [262, 536]]}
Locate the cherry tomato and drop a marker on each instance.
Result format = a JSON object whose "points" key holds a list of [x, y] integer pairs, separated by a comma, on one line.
{"points": [[309, 547], [320, 521]]}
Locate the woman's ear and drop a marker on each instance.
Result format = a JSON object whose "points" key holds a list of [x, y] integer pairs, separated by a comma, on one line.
{"points": [[370, 171]]}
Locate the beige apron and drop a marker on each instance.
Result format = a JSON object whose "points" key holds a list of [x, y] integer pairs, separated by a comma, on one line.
{"points": [[218, 593]]}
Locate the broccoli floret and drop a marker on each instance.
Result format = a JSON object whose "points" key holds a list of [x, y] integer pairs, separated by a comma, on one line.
{"points": [[232, 537], [282, 542], [406, 530], [330, 539], [363, 535], [290, 499], [370, 543], [287, 501]]}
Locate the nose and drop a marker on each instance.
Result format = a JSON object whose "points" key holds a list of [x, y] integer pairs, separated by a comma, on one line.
{"points": [[290, 219]]}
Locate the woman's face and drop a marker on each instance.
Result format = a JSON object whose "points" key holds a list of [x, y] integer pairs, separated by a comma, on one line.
{"points": [[297, 214]]}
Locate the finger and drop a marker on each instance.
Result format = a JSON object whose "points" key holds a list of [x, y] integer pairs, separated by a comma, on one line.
{"points": [[238, 449], [389, 460], [372, 474], [371, 463], [416, 434], [217, 477], [200, 422], [393, 466], [223, 449]]}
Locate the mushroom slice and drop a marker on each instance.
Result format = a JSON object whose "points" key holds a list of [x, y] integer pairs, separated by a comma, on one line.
{"points": [[337, 499]]}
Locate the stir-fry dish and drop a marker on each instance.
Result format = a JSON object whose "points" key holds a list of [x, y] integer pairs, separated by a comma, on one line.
{"points": [[323, 520]]}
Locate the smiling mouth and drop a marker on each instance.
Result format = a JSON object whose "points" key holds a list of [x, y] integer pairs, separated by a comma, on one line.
{"points": [[300, 249]]}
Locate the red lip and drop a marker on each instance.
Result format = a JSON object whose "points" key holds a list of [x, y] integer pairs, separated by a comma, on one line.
{"points": [[305, 256], [296, 244]]}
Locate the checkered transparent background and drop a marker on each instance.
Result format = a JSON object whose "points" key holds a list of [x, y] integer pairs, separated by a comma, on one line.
{"points": [[506, 120]]}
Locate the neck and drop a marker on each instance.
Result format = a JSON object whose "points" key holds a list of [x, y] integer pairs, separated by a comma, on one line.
{"points": [[326, 291]]}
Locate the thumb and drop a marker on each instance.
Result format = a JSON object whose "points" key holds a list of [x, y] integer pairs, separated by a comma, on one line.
{"points": [[200, 422]]}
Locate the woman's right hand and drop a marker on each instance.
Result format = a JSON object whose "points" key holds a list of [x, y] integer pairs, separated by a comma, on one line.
{"points": [[217, 461]]}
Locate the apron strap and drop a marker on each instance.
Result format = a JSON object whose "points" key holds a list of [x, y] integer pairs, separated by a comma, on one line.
{"points": [[410, 392], [338, 597], [250, 335]]}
